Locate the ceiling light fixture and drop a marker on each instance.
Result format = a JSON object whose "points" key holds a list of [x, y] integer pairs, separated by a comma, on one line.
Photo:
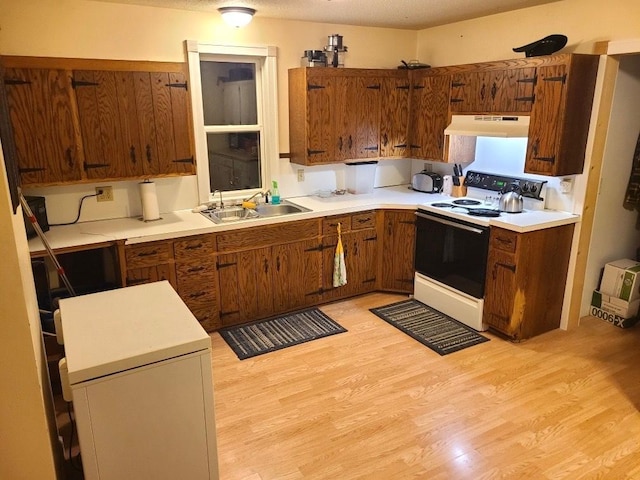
{"points": [[237, 16]]}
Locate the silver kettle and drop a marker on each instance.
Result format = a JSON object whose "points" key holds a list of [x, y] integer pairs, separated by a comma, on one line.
{"points": [[511, 199]]}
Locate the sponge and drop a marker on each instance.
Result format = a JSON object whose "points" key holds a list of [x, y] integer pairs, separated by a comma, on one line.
{"points": [[248, 205]]}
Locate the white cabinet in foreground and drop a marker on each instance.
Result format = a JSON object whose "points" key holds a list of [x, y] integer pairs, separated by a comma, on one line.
{"points": [[139, 368]]}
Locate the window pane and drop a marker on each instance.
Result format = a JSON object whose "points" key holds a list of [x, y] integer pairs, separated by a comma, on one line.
{"points": [[229, 93], [234, 161]]}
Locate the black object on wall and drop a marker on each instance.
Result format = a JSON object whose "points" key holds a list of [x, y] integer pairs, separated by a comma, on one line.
{"points": [[8, 145]]}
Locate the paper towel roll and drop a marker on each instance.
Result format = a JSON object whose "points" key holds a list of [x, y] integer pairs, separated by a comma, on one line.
{"points": [[149, 198]]}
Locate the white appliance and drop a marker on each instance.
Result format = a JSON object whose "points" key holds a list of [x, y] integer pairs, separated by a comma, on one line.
{"points": [[139, 372], [506, 126], [452, 242]]}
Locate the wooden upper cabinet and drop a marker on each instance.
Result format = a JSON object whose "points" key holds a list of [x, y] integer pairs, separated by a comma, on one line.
{"points": [[560, 116], [78, 120], [41, 110], [493, 91], [394, 121], [337, 115], [429, 115], [133, 123]]}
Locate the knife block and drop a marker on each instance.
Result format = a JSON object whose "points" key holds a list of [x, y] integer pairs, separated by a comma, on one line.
{"points": [[459, 190]]}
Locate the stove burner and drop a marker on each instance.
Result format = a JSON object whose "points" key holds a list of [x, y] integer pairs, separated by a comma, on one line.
{"points": [[466, 201], [441, 204], [483, 212]]}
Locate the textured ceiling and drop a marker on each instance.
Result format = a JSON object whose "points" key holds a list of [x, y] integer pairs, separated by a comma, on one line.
{"points": [[404, 14]]}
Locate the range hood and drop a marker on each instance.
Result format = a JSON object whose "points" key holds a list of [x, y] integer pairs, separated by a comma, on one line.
{"points": [[488, 126]]}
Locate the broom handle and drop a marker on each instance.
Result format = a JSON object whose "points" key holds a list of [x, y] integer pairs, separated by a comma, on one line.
{"points": [[45, 242]]}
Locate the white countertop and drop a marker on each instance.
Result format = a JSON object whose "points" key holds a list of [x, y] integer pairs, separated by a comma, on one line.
{"points": [[116, 330], [185, 222]]}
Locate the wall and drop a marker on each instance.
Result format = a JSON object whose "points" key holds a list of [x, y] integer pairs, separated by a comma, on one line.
{"points": [[27, 421], [584, 22], [86, 29], [614, 234]]}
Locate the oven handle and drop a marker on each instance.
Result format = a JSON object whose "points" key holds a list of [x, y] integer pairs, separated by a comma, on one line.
{"points": [[451, 224]]}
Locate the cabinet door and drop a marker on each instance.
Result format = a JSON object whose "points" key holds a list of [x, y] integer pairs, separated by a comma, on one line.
{"points": [[360, 254], [296, 275], [429, 116], [368, 103], [345, 117], [156, 273], [320, 124], [501, 291], [171, 115], [547, 117], [98, 111], [398, 251], [394, 121], [493, 91], [518, 90], [40, 110]]}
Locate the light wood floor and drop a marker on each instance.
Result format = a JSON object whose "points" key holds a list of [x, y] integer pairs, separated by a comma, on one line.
{"points": [[373, 403]]}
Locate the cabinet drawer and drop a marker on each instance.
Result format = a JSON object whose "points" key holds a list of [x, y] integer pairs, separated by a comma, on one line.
{"points": [[196, 269], [199, 247], [360, 221], [265, 236], [147, 255], [505, 240], [198, 295], [137, 276], [208, 317], [330, 224]]}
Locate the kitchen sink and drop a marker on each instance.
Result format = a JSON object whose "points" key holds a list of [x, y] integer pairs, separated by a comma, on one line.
{"points": [[236, 213]]}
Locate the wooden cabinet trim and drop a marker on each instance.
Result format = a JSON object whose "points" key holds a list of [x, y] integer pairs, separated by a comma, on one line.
{"points": [[18, 61]]}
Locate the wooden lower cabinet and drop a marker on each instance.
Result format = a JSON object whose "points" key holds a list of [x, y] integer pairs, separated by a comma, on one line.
{"points": [[197, 279], [149, 262], [360, 254], [526, 279], [398, 234], [262, 282]]}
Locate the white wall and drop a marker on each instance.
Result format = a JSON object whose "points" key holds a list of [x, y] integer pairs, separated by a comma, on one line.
{"points": [[28, 446], [614, 234]]}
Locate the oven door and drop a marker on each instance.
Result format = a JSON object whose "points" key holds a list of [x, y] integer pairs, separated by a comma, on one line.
{"points": [[452, 252]]}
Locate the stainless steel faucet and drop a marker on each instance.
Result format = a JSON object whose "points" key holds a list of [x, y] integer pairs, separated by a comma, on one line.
{"points": [[214, 194], [264, 194]]}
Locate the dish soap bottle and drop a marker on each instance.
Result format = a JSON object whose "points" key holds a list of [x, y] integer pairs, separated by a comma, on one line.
{"points": [[275, 193]]}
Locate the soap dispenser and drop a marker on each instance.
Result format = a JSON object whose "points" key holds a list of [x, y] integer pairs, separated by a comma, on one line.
{"points": [[275, 193]]}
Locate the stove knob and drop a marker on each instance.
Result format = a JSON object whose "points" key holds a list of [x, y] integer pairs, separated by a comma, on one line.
{"points": [[525, 187], [533, 189]]}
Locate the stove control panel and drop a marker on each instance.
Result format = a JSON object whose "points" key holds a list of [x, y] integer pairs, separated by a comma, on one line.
{"points": [[500, 183]]}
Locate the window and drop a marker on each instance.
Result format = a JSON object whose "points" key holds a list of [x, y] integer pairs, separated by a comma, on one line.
{"points": [[234, 101]]}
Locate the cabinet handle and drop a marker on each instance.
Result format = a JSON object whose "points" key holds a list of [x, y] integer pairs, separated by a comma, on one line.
{"points": [[147, 254], [266, 266], [148, 153], [385, 140], [314, 152], [350, 142], [197, 294], [371, 239], [70, 157], [504, 241], [494, 90], [457, 84], [483, 91], [196, 269], [364, 220], [503, 265], [132, 154], [278, 263], [340, 144], [534, 147], [193, 247], [546, 159]]}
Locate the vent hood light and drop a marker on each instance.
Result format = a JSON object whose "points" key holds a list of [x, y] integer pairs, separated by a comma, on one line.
{"points": [[488, 126]]}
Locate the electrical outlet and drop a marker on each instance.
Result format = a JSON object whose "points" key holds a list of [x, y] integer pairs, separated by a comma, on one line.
{"points": [[301, 174], [104, 194]]}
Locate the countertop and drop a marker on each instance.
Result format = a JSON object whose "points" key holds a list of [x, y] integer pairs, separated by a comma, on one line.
{"points": [[185, 222]]}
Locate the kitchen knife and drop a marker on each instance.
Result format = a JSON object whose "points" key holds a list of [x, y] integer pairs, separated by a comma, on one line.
{"points": [[460, 173], [456, 179]]}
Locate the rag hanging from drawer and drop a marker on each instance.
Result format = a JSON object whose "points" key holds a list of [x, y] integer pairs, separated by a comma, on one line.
{"points": [[632, 197], [339, 267]]}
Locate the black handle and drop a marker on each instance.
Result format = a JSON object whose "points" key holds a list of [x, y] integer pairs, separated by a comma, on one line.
{"points": [[132, 154], [147, 254], [69, 152], [193, 247], [148, 151]]}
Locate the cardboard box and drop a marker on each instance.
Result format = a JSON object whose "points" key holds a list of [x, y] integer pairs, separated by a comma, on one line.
{"points": [[621, 279], [614, 310]]}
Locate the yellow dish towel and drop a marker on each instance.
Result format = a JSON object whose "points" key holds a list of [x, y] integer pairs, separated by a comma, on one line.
{"points": [[339, 267]]}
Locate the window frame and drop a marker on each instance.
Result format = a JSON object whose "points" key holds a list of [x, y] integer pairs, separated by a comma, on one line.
{"points": [[265, 58]]}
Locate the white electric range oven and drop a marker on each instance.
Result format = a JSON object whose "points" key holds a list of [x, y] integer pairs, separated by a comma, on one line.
{"points": [[452, 243]]}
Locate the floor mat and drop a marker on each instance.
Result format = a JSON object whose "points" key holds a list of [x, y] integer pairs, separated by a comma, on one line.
{"points": [[430, 327]]}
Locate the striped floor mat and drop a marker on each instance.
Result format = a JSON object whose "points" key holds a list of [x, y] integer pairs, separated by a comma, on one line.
{"points": [[266, 336], [430, 327]]}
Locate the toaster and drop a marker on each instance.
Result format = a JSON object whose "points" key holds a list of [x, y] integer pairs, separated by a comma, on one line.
{"points": [[428, 182]]}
